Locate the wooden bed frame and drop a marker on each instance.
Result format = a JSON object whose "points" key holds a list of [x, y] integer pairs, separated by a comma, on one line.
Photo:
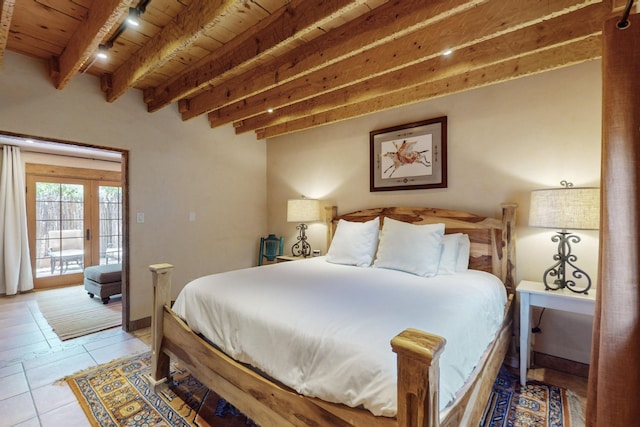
{"points": [[271, 404]]}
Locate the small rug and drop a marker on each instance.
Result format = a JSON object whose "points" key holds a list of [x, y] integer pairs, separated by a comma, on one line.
{"points": [[535, 405], [117, 394], [71, 313]]}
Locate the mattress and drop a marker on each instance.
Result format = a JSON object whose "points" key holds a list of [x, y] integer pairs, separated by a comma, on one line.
{"points": [[324, 329]]}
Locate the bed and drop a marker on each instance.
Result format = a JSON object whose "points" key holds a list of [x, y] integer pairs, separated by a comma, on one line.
{"points": [[417, 399]]}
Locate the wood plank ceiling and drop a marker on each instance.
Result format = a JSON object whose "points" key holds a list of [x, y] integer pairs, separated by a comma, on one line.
{"points": [[280, 66]]}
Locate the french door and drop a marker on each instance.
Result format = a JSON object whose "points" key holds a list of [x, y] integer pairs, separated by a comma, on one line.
{"points": [[74, 220]]}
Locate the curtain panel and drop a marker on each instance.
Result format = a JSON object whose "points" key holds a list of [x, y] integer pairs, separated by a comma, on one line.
{"points": [[15, 264], [614, 376]]}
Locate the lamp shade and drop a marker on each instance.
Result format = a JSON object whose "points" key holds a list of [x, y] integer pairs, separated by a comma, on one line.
{"points": [[565, 208], [303, 210]]}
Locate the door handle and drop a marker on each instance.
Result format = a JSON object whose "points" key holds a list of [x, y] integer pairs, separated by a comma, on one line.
{"points": [[88, 234]]}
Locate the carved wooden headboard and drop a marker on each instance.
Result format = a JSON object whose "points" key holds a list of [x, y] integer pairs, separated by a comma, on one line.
{"points": [[492, 240]]}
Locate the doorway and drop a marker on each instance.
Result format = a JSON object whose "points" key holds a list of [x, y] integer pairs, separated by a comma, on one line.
{"points": [[47, 156], [75, 219]]}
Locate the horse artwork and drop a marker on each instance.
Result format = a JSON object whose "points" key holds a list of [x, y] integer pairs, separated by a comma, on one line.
{"points": [[407, 157]]}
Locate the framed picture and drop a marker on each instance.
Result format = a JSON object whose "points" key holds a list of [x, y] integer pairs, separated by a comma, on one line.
{"points": [[409, 157]]}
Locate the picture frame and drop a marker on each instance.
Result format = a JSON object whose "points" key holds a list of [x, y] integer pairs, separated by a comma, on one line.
{"points": [[410, 156]]}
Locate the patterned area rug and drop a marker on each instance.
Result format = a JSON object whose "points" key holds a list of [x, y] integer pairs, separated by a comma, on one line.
{"points": [[535, 405], [116, 394]]}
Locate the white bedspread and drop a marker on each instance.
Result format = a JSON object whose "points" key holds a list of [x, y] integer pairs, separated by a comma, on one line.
{"points": [[325, 329]]}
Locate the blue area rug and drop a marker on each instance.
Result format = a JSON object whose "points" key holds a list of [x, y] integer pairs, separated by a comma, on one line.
{"points": [[535, 405]]}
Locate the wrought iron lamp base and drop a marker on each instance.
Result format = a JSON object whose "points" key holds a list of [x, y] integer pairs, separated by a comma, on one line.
{"points": [[301, 247], [565, 259]]}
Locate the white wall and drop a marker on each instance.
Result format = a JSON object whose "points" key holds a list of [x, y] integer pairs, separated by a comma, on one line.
{"points": [[503, 142], [175, 168]]}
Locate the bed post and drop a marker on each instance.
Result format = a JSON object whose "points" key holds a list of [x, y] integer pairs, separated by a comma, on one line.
{"points": [[418, 377], [330, 212], [508, 255], [161, 296]]}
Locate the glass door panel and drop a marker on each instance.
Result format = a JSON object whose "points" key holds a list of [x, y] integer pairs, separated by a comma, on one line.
{"points": [[59, 212], [110, 223]]}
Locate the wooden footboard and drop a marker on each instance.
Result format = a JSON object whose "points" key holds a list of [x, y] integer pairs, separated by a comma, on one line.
{"points": [[272, 404]]}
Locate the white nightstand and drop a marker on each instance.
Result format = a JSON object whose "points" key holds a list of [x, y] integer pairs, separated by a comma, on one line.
{"points": [[534, 294]]}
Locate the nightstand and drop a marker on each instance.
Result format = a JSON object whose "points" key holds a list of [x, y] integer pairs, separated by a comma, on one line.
{"points": [[285, 258], [534, 294]]}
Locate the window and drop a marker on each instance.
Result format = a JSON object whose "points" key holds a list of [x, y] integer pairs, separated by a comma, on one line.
{"points": [[110, 218]]}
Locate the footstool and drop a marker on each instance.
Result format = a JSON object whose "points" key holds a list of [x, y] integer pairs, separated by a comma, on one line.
{"points": [[103, 280]]}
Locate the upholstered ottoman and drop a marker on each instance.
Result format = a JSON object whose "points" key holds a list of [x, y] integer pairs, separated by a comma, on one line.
{"points": [[103, 280]]}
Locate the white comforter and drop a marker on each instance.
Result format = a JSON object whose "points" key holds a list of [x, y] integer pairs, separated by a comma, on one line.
{"points": [[324, 329]]}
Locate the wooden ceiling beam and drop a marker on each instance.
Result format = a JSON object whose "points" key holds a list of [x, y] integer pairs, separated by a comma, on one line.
{"points": [[194, 21], [383, 24], [6, 14], [489, 19], [294, 20], [559, 56], [101, 18], [527, 40]]}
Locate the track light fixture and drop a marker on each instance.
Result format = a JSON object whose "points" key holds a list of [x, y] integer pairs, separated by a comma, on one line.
{"points": [[133, 20], [134, 17], [102, 52]]}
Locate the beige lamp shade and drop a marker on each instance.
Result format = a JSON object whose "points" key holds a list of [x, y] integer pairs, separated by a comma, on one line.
{"points": [[565, 208], [303, 210]]}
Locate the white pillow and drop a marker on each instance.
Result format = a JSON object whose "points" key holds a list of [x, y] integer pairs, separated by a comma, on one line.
{"points": [[450, 251], [463, 253], [408, 247], [354, 243]]}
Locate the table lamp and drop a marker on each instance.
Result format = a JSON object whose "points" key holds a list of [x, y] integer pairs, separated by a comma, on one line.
{"points": [[302, 210], [566, 208]]}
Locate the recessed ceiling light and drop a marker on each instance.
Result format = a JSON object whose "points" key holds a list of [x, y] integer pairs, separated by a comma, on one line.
{"points": [[269, 110]]}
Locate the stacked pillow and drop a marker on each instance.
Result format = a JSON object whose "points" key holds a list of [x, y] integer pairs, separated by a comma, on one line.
{"points": [[455, 253], [423, 250], [408, 247], [354, 243]]}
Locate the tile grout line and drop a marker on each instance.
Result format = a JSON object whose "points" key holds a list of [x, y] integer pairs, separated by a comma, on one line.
{"points": [[44, 335], [33, 400], [52, 349]]}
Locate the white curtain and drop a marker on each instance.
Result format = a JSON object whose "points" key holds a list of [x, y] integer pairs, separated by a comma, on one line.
{"points": [[15, 265]]}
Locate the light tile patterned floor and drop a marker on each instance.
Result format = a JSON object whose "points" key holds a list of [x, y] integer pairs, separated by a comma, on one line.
{"points": [[32, 359]]}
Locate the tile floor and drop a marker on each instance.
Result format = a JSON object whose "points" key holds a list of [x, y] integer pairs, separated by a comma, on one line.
{"points": [[32, 359]]}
